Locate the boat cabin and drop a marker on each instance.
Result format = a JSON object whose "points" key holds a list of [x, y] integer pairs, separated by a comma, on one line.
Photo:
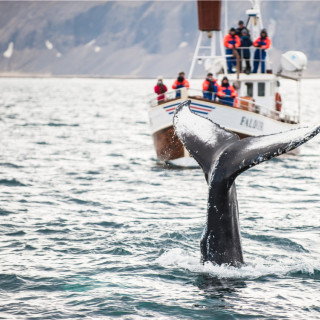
{"points": [[260, 88]]}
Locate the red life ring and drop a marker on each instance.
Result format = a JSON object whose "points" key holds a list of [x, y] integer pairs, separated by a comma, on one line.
{"points": [[278, 102]]}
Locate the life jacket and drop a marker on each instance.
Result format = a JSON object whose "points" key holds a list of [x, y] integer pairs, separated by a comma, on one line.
{"points": [[177, 84], [231, 42], [263, 43], [210, 86], [245, 41], [228, 95], [227, 91]]}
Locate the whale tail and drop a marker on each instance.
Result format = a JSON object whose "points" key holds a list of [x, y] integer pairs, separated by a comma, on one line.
{"points": [[207, 142], [223, 157]]}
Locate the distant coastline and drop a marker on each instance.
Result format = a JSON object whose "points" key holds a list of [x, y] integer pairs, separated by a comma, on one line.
{"points": [[71, 76]]}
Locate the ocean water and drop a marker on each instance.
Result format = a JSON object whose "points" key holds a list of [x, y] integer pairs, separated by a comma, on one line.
{"points": [[92, 227]]}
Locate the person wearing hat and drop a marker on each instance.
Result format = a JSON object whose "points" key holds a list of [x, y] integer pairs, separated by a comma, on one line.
{"points": [[261, 43], [180, 82], [160, 89], [231, 41], [244, 50], [240, 28], [210, 87], [227, 94]]}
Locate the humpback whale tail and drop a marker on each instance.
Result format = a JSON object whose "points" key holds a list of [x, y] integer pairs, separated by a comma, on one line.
{"points": [[222, 156], [207, 142]]}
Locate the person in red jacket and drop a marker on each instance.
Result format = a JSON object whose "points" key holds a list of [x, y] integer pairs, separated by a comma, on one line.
{"points": [[227, 94], [180, 82], [160, 89], [231, 41], [210, 87], [261, 43]]}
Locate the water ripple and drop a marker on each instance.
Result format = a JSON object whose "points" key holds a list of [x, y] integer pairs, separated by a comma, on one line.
{"points": [[11, 183], [92, 227]]}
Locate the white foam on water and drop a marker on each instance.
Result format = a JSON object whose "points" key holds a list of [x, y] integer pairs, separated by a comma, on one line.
{"points": [[253, 269]]}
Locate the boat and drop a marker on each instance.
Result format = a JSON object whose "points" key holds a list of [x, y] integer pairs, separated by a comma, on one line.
{"points": [[259, 106]]}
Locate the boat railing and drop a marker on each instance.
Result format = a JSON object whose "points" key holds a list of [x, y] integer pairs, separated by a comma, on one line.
{"points": [[249, 59], [242, 58], [247, 104], [155, 99], [242, 103]]}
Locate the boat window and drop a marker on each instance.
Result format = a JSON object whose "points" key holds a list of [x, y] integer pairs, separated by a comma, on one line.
{"points": [[249, 86], [261, 89]]}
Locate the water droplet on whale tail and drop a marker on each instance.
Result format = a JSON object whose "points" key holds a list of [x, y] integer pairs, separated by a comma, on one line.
{"points": [[207, 141]]}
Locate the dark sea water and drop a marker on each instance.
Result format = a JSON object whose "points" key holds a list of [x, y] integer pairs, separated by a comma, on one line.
{"points": [[91, 227]]}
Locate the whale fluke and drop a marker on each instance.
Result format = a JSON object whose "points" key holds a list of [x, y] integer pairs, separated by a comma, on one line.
{"points": [[202, 138], [206, 141], [222, 157]]}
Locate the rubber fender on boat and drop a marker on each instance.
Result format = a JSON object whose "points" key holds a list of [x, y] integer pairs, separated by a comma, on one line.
{"points": [[278, 101]]}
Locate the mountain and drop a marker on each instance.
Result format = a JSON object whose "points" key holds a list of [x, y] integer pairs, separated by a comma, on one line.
{"points": [[133, 39]]}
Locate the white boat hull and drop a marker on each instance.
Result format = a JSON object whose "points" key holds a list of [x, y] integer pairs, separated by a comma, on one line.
{"points": [[240, 121], [243, 122]]}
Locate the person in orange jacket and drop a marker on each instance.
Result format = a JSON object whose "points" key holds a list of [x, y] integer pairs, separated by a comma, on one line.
{"points": [[261, 43], [210, 87], [180, 82], [231, 41], [227, 94]]}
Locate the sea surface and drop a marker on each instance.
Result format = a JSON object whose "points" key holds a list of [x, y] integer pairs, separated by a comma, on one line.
{"points": [[91, 227]]}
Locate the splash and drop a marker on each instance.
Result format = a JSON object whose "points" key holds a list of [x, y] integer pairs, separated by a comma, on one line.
{"points": [[256, 268]]}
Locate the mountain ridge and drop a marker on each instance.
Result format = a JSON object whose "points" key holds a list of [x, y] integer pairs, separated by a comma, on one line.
{"points": [[134, 39]]}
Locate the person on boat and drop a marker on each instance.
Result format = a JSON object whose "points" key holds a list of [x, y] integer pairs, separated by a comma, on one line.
{"points": [[262, 43], [240, 28], [210, 87], [227, 94], [160, 89], [231, 42], [180, 82], [244, 50]]}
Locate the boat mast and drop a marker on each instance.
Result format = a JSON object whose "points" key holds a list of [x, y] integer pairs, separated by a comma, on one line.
{"points": [[254, 21], [209, 21], [226, 23], [299, 97]]}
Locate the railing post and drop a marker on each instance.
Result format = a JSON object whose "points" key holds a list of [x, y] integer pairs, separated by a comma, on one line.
{"points": [[195, 56], [299, 98], [184, 93]]}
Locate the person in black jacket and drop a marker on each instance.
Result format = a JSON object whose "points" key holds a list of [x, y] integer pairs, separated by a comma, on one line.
{"points": [[244, 51]]}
